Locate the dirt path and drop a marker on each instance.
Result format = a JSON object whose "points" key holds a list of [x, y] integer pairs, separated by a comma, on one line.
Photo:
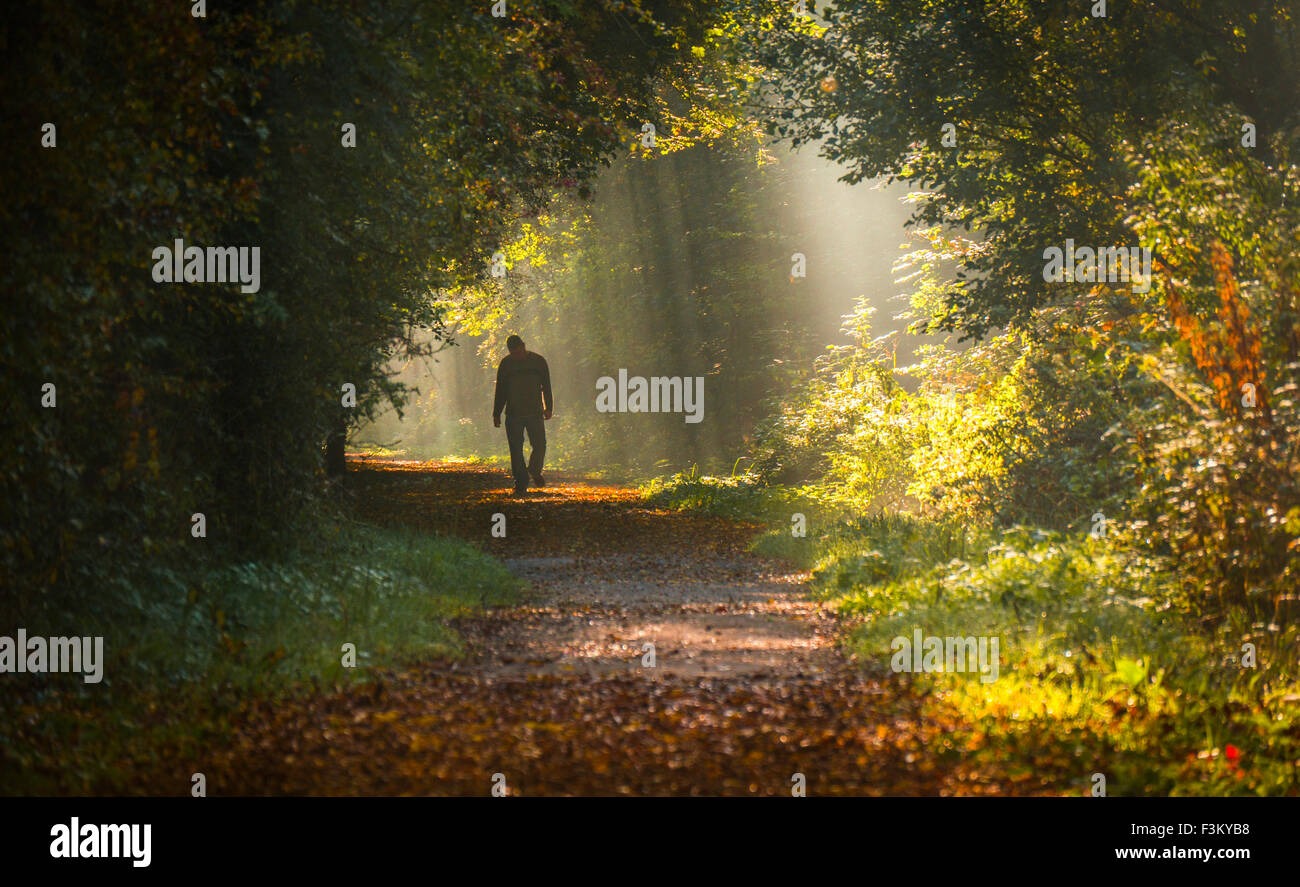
{"points": [[606, 615], [558, 695]]}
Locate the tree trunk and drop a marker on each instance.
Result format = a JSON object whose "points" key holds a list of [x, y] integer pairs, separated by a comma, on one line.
{"points": [[336, 462]]}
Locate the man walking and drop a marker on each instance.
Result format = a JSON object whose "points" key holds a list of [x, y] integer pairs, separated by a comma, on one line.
{"points": [[524, 391]]}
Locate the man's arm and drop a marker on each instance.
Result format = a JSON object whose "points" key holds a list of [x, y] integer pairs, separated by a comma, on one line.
{"points": [[548, 402], [499, 399]]}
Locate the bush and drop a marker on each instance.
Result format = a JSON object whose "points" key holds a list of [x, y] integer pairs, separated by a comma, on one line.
{"points": [[1101, 670], [182, 649]]}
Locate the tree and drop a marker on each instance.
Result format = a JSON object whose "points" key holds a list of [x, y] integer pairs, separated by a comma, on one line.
{"points": [[230, 130]]}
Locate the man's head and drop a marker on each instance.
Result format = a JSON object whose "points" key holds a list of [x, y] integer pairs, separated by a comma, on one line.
{"points": [[516, 346]]}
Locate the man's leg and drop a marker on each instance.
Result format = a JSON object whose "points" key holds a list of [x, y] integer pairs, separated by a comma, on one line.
{"points": [[537, 437], [515, 437]]}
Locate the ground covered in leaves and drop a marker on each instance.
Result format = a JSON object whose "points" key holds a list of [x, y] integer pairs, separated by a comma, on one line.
{"points": [[557, 695]]}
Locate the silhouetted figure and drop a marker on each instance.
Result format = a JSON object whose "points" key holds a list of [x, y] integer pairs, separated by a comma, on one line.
{"points": [[524, 391]]}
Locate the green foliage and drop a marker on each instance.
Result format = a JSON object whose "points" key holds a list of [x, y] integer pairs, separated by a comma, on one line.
{"points": [[1043, 99], [851, 424], [1102, 667], [175, 399], [183, 647], [861, 551], [615, 283], [1085, 397], [739, 497], [1009, 431], [1216, 451], [388, 591], [1105, 663]]}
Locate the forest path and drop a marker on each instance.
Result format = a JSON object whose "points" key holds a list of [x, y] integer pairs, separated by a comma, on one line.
{"points": [[556, 694]]}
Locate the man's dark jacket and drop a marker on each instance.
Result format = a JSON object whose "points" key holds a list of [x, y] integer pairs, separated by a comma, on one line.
{"points": [[523, 386]]}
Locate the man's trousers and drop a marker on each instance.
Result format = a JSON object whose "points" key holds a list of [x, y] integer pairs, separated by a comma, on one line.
{"points": [[536, 427]]}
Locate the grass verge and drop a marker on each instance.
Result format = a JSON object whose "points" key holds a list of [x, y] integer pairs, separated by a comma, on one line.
{"points": [[1103, 664], [183, 648]]}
